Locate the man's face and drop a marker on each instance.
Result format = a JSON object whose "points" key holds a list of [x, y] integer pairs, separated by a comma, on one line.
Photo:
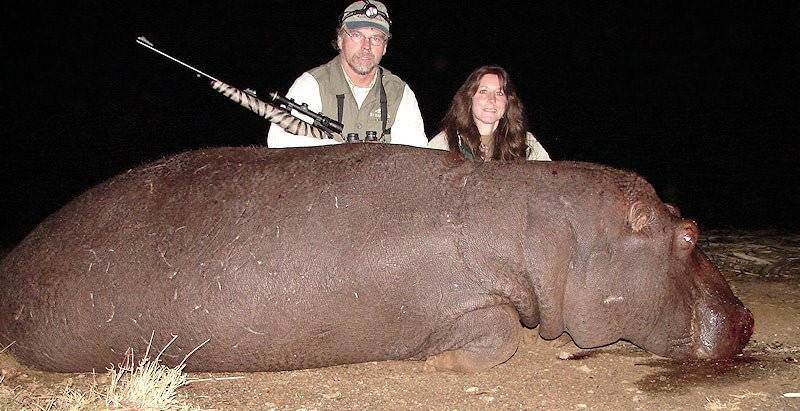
{"points": [[360, 53]]}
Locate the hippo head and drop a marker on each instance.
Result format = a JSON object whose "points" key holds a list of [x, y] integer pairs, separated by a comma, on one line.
{"points": [[648, 283]]}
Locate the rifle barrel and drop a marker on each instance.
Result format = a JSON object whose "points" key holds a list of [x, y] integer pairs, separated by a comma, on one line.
{"points": [[144, 42], [248, 99]]}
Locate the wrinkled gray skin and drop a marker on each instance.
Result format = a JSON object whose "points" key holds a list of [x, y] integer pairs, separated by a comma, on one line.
{"points": [[305, 258]]}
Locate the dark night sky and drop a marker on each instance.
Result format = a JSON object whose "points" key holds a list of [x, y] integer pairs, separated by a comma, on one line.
{"points": [[698, 97]]}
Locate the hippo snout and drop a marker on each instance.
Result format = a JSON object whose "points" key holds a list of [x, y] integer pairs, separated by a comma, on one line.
{"points": [[722, 334]]}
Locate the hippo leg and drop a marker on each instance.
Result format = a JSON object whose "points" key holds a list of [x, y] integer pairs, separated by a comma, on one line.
{"points": [[480, 340]]}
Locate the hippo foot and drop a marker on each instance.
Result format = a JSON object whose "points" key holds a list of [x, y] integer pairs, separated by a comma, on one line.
{"points": [[494, 346], [463, 361]]}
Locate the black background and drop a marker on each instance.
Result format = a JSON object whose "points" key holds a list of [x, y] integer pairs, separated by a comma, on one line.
{"points": [[698, 97]]}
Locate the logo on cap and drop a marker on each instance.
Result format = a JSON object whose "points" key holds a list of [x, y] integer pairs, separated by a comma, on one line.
{"points": [[365, 13]]}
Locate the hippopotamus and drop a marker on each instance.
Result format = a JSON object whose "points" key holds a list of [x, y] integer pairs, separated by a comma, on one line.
{"points": [[279, 259]]}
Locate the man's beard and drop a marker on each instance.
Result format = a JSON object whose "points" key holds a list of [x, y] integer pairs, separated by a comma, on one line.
{"points": [[355, 63]]}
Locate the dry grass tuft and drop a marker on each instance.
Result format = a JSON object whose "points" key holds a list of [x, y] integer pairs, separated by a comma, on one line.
{"points": [[7, 397], [736, 404], [148, 385], [6, 347], [717, 405], [75, 399], [5, 363]]}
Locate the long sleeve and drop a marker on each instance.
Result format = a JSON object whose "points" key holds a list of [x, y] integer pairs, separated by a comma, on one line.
{"points": [[439, 142], [304, 90], [535, 149]]}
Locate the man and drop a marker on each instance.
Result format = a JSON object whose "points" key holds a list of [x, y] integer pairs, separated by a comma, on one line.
{"points": [[372, 103]]}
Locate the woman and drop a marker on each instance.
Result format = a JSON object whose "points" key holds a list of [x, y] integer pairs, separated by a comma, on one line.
{"points": [[486, 121]]}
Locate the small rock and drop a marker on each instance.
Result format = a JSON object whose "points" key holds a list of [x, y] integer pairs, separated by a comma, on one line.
{"points": [[332, 395]]}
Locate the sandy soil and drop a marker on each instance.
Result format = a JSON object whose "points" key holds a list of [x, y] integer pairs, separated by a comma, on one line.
{"points": [[763, 269]]}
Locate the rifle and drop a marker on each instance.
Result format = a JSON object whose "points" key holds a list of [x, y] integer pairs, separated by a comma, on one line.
{"points": [[278, 109]]}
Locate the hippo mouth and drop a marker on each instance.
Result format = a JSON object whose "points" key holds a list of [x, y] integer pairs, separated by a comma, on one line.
{"points": [[720, 334]]}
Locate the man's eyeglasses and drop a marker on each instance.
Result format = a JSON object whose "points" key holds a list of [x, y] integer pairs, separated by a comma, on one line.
{"points": [[359, 37]]}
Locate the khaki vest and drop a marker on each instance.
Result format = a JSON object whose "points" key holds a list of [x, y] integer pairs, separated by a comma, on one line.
{"points": [[331, 81]]}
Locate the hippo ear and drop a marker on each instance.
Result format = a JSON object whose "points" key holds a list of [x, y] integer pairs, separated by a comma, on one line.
{"points": [[686, 234], [640, 216], [673, 210]]}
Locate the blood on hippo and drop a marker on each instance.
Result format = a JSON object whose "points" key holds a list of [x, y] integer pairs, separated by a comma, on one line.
{"points": [[301, 258]]}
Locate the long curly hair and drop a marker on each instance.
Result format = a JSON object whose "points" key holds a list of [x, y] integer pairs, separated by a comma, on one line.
{"points": [[509, 137]]}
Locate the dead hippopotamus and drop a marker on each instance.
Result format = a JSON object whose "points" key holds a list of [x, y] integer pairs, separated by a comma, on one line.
{"points": [[303, 258]]}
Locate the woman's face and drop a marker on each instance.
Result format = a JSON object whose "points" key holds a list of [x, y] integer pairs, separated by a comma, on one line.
{"points": [[489, 101]]}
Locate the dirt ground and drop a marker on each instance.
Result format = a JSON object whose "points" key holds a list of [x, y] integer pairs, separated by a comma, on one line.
{"points": [[762, 267]]}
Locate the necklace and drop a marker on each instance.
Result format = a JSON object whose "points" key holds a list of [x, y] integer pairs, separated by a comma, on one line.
{"points": [[486, 147]]}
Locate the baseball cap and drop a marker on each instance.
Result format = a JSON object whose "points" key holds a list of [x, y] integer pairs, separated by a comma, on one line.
{"points": [[367, 13]]}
